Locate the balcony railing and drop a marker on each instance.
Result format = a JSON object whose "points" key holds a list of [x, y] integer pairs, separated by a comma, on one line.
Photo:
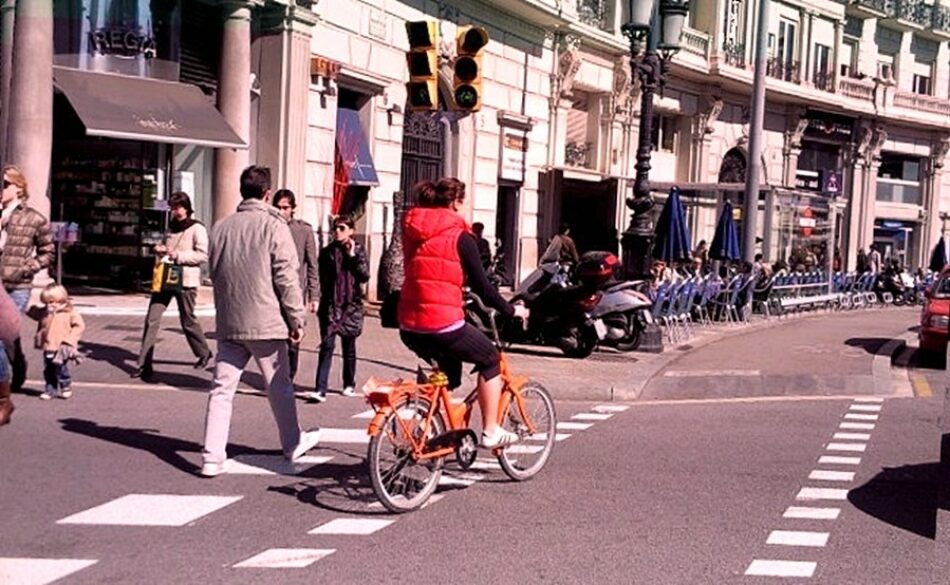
{"points": [[579, 154], [823, 80], [734, 55], [914, 11], [594, 13], [696, 42], [926, 103], [784, 70], [941, 18], [879, 6], [856, 88]]}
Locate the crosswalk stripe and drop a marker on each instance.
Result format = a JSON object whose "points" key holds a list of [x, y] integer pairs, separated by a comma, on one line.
{"points": [[352, 526], [573, 426], [273, 464], [824, 475], [544, 437], [151, 510], [798, 538], [810, 493], [366, 414], [591, 416], [852, 436], [866, 407], [856, 416], [609, 408], [857, 426], [770, 568], [524, 449], [285, 558], [836, 460], [29, 571], [869, 399], [808, 513], [352, 436], [854, 447]]}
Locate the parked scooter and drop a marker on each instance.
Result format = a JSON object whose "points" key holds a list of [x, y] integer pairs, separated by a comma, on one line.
{"points": [[558, 313], [622, 310]]}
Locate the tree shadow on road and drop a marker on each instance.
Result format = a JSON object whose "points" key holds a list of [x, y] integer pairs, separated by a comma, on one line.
{"points": [[905, 497], [168, 449], [869, 344]]}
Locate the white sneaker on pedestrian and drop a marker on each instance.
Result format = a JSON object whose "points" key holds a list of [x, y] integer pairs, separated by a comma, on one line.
{"points": [[349, 391], [66, 394], [210, 469], [316, 397], [500, 438], [47, 396], [308, 440]]}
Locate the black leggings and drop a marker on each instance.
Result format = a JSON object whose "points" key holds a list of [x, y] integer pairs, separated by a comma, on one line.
{"points": [[450, 349]]}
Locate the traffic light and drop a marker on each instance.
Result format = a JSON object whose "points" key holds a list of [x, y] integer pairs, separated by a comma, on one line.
{"points": [[423, 61], [467, 81]]}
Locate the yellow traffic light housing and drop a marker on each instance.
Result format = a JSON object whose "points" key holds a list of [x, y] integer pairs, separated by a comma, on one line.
{"points": [[467, 78], [423, 62]]}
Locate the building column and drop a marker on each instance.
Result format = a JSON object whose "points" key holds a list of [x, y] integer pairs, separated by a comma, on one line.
{"points": [[30, 125], [930, 228], [285, 76], [234, 103], [7, 19], [836, 59]]}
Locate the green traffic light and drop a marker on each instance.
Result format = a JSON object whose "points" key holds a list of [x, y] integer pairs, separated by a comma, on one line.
{"points": [[466, 96]]}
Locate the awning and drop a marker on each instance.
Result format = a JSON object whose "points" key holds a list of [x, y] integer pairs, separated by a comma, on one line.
{"points": [[136, 108], [353, 150]]}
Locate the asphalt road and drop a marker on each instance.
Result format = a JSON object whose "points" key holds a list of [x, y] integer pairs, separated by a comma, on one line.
{"points": [[102, 489]]}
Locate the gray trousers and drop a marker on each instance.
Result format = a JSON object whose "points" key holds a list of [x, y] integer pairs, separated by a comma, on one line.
{"points": [[271, 358], [186, 299]]}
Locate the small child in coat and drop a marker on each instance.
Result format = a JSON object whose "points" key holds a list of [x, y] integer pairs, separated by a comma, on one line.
{"points": [[57, 336]]}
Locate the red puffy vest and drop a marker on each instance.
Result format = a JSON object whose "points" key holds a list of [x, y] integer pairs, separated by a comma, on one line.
{"points": [[431, 297]]}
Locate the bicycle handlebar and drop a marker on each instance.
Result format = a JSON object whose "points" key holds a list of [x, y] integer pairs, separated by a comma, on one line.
{"points": [[492, 313]]}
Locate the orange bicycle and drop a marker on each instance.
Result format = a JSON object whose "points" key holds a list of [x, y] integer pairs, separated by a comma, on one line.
{"points": [[416, 426]]}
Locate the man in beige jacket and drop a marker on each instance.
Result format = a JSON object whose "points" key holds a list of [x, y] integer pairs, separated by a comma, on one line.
{"points": [[186, 245], [259, 307]]}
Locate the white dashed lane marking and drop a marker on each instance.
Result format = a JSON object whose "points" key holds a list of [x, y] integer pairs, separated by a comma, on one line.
{"points": [[838, 460], [808, 513], [27, 571], [151, 510], [857, 426], [768, 568], [352, 526], [852, 447], [810, 493], [852, 436], [285, 558], [798, 538], [858, 416], [823, 475]]}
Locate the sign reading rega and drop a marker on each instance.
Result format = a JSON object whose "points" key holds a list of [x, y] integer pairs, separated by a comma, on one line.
{"points": [[123, 42]]}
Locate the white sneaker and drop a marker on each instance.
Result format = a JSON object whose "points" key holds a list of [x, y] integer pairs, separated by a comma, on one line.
{"points": [[308, 440], [214, 469], [47, 396], [66, 394], [316, 397], [500, 438], [349, 391]]}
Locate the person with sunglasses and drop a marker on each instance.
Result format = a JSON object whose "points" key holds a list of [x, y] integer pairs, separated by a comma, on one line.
{"points": [[27, 248], [343, 270]]}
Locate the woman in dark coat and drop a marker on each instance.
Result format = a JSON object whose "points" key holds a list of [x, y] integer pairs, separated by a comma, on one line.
{"points": [[343, 271]]}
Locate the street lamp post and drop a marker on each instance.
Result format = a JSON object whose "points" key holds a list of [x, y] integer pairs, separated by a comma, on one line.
{"points": [[659, 28]]}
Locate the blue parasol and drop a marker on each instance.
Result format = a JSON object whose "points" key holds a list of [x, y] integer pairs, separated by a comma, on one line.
{"points": [[672, 233], [725, 245]]}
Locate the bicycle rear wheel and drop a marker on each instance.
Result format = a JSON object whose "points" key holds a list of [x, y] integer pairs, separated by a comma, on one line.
{"points": [[523, 460], [401, 483]]}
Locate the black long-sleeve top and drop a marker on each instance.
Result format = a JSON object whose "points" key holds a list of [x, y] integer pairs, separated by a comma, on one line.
{"points": [[476, 278]]}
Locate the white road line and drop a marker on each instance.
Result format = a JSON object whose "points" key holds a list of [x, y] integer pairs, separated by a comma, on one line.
{"points": [[573, 426], [591, 416], [852, 436], [855, 416], [853, 447], [524, 449], [23, 571], [807, 513], [285, 558], [857, 426], [798, 538], [354, 436], [768, 568], [366, 414], [610, 408], [151, 510], [809, 493], [869, 399], [866, 407], [823, 475], [352, 526], [486, 465], [709, 373], [837, 460], [273, 465], [544, 437]]}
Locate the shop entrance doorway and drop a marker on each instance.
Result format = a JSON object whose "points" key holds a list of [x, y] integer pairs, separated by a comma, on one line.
{"points": [[896, 240], [590, 209]]}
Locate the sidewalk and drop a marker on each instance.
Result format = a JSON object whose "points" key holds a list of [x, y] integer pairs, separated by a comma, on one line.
{"points": [[114, 329]]}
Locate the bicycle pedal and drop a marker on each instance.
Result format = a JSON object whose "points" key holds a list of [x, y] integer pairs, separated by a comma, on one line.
{"points": [[450, 439]]}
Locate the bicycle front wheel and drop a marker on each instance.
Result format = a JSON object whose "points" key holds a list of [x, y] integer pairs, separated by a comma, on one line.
{"points": [[401, 483], [523, 460]]}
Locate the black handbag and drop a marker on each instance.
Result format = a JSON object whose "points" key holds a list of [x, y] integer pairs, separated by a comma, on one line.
{"points": [[388, 313]]}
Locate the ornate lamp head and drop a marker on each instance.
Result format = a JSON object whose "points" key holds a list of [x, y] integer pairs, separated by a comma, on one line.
{"points": [[673, 14]]}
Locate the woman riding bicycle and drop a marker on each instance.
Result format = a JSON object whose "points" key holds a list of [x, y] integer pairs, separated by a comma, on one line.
{"points": [[441, 255]]}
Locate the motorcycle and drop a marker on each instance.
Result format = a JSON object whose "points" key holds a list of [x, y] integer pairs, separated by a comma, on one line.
{"points": [[558, 313], [620, 310]]}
